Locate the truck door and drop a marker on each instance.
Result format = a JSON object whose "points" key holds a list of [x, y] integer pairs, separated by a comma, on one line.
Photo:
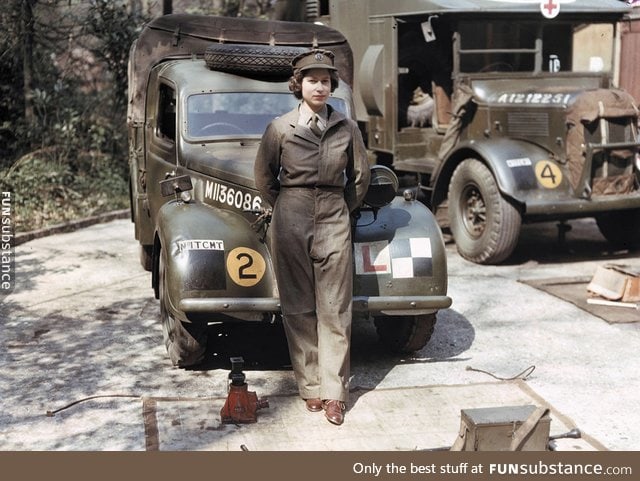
{"points": [[161, 135]]}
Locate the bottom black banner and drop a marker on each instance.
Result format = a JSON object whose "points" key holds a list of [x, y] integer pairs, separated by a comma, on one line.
{"points": [[312, 466]]}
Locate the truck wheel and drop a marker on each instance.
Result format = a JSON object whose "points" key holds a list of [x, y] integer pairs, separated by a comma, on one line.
{"points": [[146, 257], [621, 228], [185, 342], [485, 226], [404, 334], [251, 59]]}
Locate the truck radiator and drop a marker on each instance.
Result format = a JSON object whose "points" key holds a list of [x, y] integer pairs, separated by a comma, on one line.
{"points": [[528, 124]]}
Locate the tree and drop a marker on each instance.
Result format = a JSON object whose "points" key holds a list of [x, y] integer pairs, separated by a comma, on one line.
{"points": [[112, 29], [63, 75], [25, 66], [28, 38]]}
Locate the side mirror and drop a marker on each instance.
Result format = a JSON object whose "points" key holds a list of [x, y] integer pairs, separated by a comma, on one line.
{"points": [[175, 185], [383, 187]]}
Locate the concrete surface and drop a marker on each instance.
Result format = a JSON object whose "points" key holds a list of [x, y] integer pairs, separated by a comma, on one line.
{"points": [[82, 322], [405, 419]]}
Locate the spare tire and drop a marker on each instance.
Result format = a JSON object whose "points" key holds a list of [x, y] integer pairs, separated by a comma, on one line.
{"points": [[266, 60]]}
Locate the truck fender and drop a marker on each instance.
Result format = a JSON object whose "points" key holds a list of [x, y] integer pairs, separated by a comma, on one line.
{"points": [[520, 168], [209, 253], [400, 253]]}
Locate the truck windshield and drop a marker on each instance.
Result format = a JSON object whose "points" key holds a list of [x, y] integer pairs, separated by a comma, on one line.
{"points": [[510, 46], [233, 114]]}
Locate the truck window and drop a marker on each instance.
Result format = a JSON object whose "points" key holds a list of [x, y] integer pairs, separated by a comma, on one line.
{"points": [[232, 114], [511, 46], [596, 48], [496, 46], [167, 112], [594, 55]]}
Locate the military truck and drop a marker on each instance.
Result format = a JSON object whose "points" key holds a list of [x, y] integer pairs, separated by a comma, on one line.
{"points": [[201, 92], [500, 114]]}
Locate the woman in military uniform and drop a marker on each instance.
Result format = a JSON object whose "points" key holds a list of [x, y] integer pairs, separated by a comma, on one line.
{"points": [[312, 168]]}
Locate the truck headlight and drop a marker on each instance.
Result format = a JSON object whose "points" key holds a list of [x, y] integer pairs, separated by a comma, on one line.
{"points": [[383, 186]]}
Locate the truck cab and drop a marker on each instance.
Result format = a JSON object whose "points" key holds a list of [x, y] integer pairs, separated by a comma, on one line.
{"points": [[202, 91], [500, 114]]}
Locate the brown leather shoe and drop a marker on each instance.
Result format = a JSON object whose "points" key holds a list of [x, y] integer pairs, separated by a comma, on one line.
{"points": [[314, 404], [334, 411]]}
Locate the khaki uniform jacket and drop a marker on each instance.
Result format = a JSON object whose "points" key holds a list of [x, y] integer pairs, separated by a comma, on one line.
{"points": [[290, 155]]}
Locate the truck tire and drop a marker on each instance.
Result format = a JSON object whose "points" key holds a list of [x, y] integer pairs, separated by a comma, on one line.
{"points": [[405, 334], [185, 342], [272, 61], [146, 257], [484, 225], [621, 228]]}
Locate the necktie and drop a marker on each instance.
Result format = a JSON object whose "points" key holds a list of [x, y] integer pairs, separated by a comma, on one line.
{"points": [[315, 128]]}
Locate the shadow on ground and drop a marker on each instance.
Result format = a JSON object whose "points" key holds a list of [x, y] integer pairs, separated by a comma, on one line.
{"points": [[546, 244]]}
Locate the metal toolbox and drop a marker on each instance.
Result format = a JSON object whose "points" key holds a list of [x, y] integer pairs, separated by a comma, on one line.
{"points": [[505, 428]]}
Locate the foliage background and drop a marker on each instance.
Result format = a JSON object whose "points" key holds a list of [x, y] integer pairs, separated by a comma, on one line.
{"points": [[63, 99]]}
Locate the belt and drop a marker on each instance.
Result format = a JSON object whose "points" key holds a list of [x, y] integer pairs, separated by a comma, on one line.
{"points": [[330, 188]]}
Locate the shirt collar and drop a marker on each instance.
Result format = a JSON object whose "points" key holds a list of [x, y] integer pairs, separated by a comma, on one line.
{"points": [[306, 113]]}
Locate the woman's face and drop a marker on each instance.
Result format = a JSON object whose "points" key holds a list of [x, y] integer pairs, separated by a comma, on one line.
{"points": [[316, 88]]}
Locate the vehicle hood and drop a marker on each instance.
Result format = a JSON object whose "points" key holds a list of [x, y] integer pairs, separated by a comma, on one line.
{"points": [[542, 92], [228, 161], [582, 100]]}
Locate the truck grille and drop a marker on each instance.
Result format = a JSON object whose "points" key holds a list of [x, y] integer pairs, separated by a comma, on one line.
{"points": [[528, 124]]}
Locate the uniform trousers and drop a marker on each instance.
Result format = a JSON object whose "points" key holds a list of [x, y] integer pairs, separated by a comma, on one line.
{"points": [[313, 263]]}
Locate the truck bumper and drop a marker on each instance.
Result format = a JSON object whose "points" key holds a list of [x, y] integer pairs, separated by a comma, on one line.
{"points": [[401, 305], [577, 207], [391, 305], [223, 305]]}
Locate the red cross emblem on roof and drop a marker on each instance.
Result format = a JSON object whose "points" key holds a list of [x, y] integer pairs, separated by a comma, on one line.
{"points": [[550, 8]]}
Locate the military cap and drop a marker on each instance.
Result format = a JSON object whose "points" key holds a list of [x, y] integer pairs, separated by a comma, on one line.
{"points": [[313, 59]]}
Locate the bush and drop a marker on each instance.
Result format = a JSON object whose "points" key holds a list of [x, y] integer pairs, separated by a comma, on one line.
{"points": [[49, 189]]}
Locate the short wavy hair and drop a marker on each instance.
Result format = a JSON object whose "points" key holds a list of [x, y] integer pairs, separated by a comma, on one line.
{"points": [[295, 82]]}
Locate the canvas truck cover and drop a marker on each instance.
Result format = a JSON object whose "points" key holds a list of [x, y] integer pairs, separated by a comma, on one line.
{"points": [[586, 108], [185, 36]]}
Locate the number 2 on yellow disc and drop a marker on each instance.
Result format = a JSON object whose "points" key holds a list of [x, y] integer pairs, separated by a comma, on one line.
{"points": [[245, 266]]}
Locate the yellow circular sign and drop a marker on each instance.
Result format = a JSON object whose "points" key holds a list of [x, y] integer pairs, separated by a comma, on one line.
{"points": [[548, 174], [245, 266]]}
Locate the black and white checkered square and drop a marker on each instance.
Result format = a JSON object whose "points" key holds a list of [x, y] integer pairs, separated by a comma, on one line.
{"points": [[402, 258], [411, 258]]}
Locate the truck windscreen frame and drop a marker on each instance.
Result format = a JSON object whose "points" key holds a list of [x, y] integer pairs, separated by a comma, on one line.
{"points": [[214, 115]]}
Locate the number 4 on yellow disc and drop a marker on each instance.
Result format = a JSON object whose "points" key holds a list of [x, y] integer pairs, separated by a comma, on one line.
{"points": [[548, 174]]}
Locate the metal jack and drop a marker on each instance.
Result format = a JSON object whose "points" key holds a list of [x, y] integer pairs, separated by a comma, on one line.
{"points": [[241, 405]]}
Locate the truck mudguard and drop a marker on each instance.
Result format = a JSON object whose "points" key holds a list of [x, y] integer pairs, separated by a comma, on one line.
{"points": [[522, 169], [400, 261], [212, 253]]}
